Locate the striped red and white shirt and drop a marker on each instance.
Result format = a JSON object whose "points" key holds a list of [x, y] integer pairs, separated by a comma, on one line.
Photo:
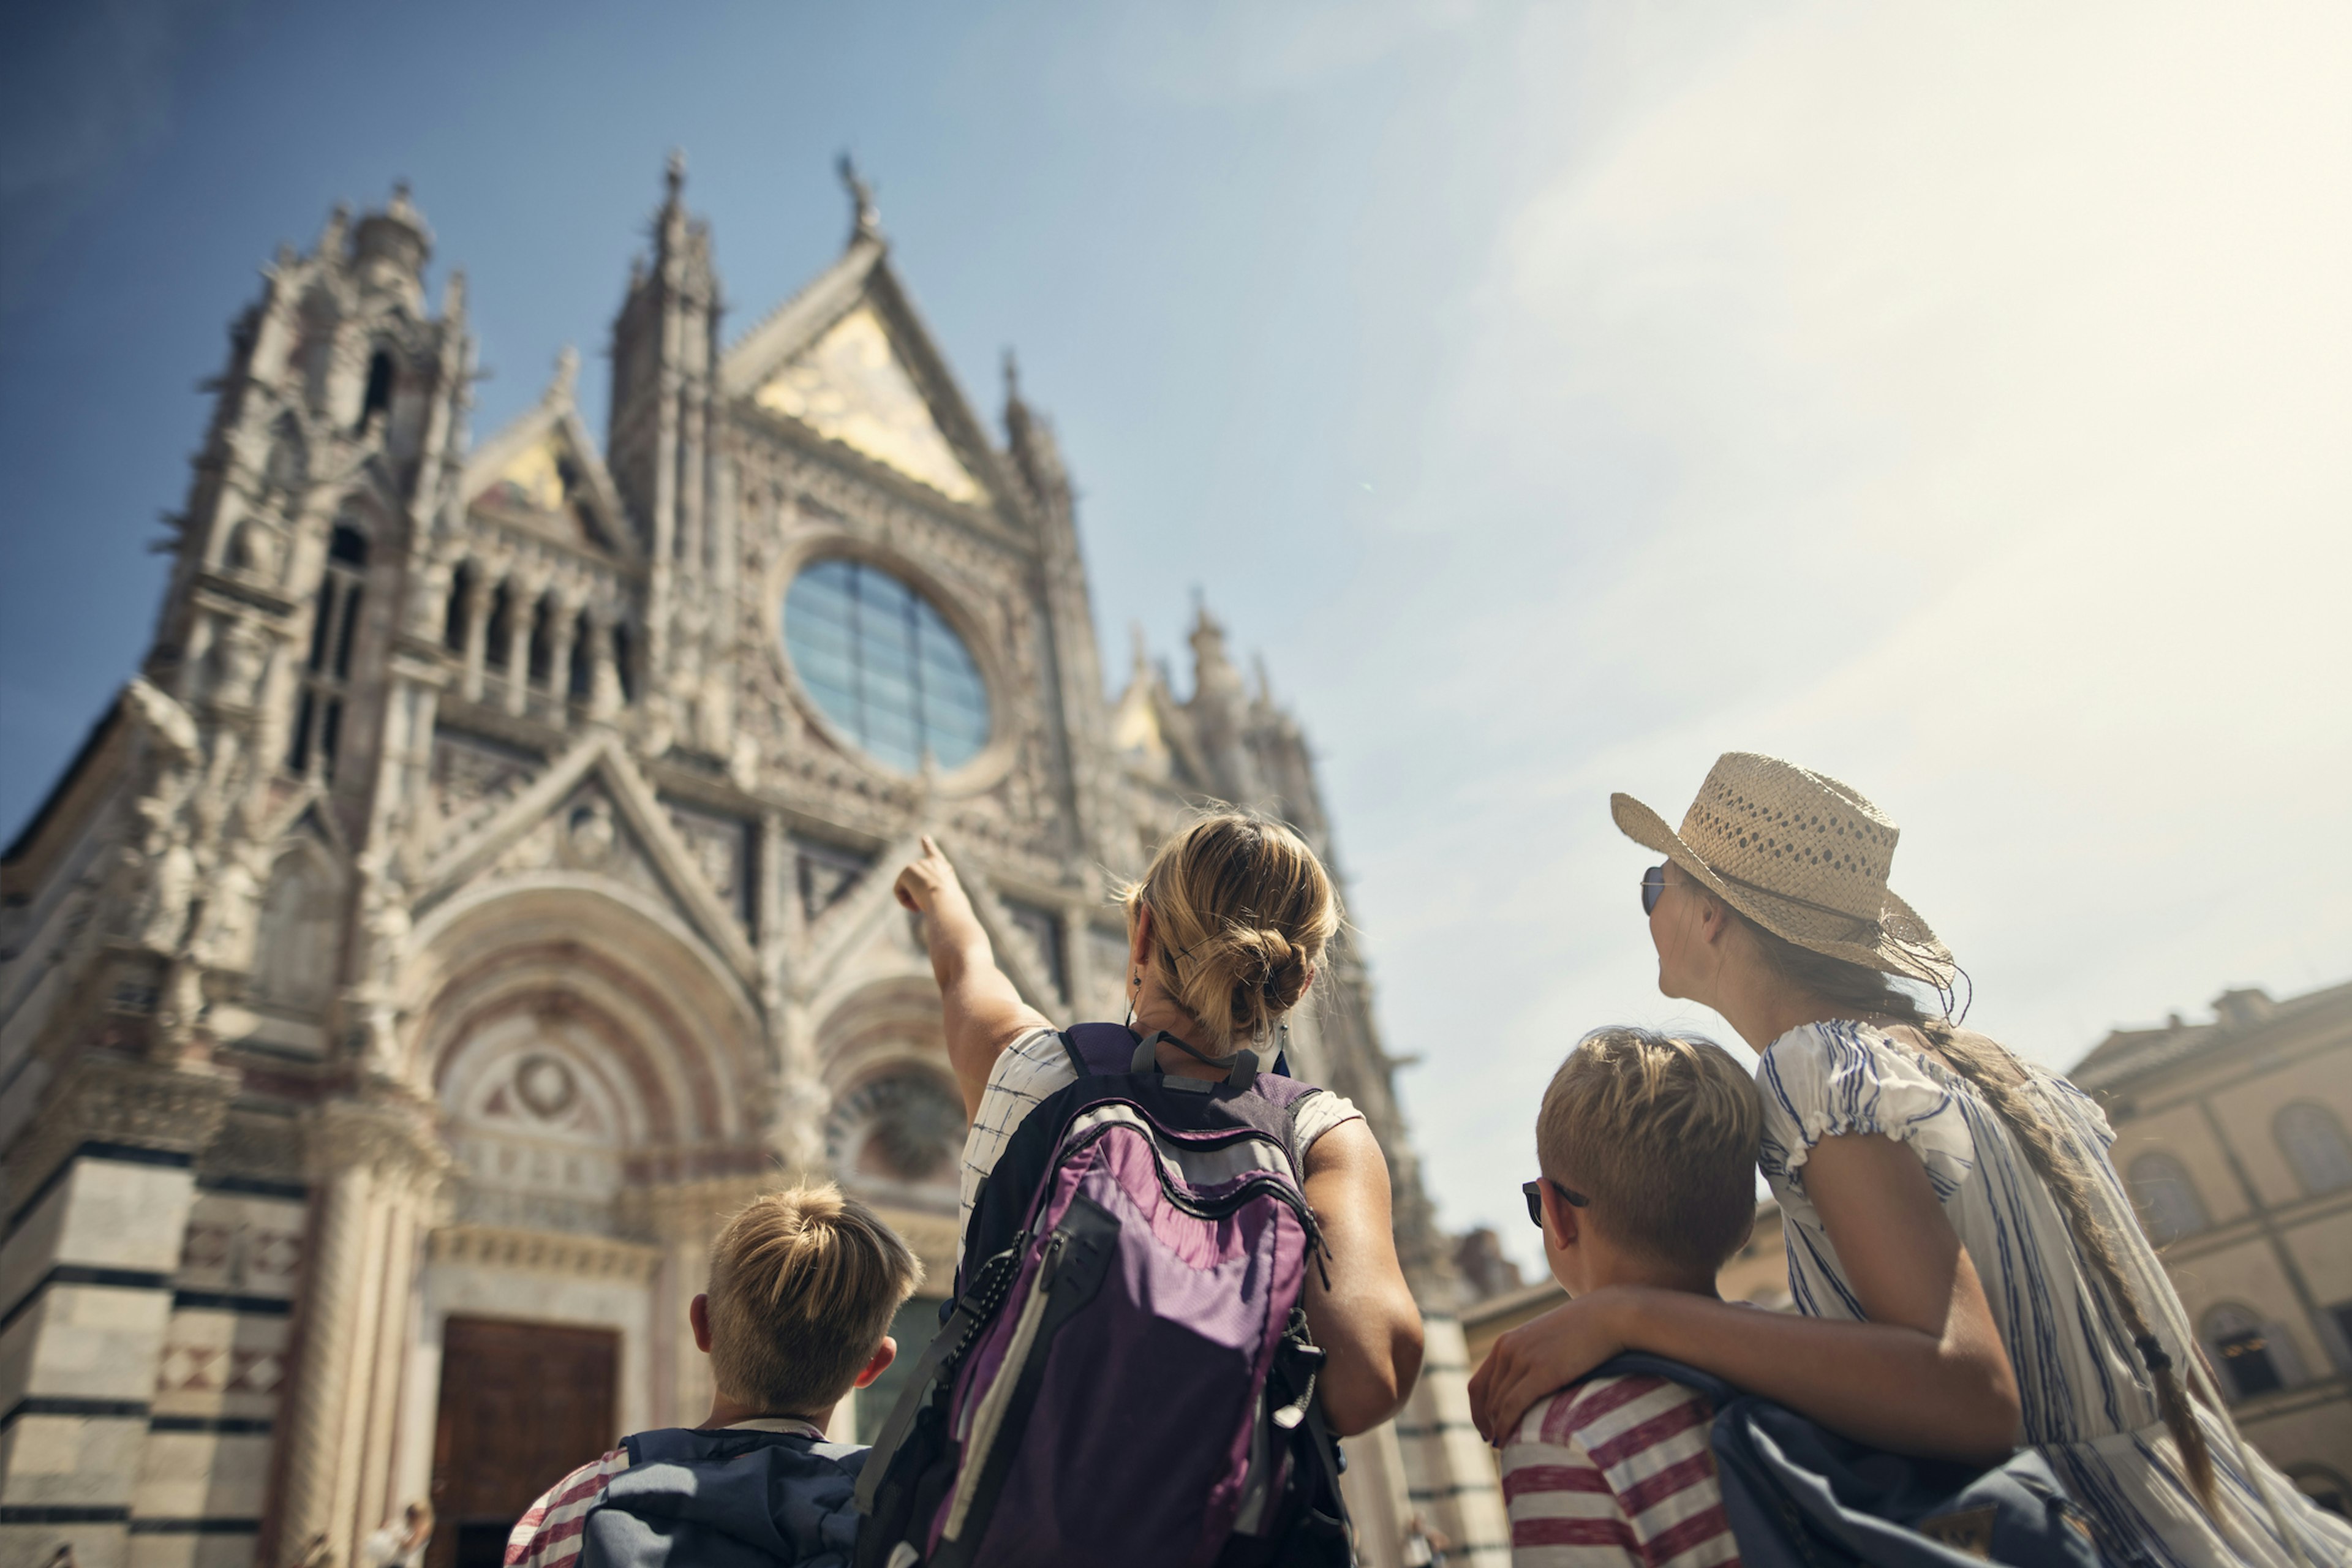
{"points": [[1613, 1472], [548, 1534]]}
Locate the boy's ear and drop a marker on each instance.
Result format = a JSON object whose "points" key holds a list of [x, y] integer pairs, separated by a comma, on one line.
{"points": [[884, 1354], [698, 1318], [1563, 1226]]}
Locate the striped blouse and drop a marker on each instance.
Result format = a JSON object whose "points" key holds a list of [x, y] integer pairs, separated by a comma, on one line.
{"points": [[1616, 1473], [2086, 1402]]}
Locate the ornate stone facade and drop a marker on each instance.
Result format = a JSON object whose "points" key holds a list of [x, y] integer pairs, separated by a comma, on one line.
{"points": [[476, 897]]}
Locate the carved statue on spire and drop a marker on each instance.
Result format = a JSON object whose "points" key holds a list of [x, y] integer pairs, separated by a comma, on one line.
{"points": [[867, 222]]}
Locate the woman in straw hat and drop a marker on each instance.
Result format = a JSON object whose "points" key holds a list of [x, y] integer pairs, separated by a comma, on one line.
{"points": [[1966, 1266]]}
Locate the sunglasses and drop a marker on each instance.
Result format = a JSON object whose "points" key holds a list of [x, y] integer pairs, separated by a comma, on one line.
{"points": [[1654, 887], [1533, 1191]]}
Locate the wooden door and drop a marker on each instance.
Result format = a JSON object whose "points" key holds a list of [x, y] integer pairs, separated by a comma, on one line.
{"points": [[521, 1404]]}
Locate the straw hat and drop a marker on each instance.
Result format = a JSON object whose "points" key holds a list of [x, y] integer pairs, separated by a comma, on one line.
{"points": [[1802, 856]]}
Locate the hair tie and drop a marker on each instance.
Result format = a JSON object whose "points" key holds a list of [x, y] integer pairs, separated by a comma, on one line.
{"points": [[2152, 1353]]}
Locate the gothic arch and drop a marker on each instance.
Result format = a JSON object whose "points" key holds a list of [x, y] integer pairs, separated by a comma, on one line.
{"points": [[626, 994], [878, 1024], [896, 1127], [297, 934]]}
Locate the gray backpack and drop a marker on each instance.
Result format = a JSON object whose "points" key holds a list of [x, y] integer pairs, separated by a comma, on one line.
{"points": [[1799, 1496]]}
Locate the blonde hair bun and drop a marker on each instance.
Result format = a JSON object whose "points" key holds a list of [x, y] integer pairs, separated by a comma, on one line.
{"points": [[1242, 911]]}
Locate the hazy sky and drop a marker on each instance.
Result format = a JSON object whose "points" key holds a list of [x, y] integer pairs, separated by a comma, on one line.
{"points": [[1958, 400]]}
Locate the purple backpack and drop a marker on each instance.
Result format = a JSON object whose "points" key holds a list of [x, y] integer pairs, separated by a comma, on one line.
{"points": [[1126, 1375]]}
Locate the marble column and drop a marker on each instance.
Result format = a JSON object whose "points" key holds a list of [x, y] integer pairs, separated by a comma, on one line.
{"points": [[478, 646], [522, 613], [559, 659], [377, 1169]]}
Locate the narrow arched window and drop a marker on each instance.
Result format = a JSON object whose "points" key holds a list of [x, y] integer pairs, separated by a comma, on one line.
{"points": [[2314, 1143], [378, 399], [625, 663], [317, 734], [2167, 1200], [454, 623], [498, 633], [541, 671], [581, 679]]}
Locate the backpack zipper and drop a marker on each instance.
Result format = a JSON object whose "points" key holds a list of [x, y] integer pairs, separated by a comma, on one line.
{"points": [[988, 1417], [1281, 1187]]}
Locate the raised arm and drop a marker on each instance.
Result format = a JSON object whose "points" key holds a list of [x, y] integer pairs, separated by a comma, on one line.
{"points": [[1926, 1374], [982, 1010], [1366, 1320]]}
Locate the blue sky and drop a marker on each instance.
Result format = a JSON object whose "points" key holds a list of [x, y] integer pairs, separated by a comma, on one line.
{"points": [[1950, 399]]}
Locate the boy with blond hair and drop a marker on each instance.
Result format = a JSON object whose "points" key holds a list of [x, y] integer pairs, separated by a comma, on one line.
{"points": [[803, 1288], [1647, 1143]]}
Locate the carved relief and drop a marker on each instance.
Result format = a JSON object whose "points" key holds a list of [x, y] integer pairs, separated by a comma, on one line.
{"points": [[900, 1134], [721, 850], [472, 777], [539, 1132], [241, 1246]]}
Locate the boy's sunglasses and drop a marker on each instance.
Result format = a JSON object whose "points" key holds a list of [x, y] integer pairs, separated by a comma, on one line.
{"points": [[1534, 1193], [1654, 887]]}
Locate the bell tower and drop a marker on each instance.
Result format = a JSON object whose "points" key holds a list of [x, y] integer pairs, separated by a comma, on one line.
{"points": [[337, 418]]}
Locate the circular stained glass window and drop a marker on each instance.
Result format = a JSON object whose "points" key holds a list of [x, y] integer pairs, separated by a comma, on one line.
{"points": [[885, 666]]}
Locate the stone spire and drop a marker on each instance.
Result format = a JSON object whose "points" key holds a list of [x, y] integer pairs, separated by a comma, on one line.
{"points": [[1219, 708], [390, 247], [865, 218], [1029, 441]]}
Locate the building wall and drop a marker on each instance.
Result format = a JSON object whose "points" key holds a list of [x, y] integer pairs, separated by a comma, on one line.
{"points": [[2264, 1248]]}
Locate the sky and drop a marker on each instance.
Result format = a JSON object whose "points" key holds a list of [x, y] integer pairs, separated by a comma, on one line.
{"points": [[1952, 399]]}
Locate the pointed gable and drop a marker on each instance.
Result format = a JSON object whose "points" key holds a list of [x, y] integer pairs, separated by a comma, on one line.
{"points": [[849, 358], [850, 387], [544, 473]]}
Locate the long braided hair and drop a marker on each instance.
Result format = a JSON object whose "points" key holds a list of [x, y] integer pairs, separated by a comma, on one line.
{"points": [[2002, 1081]]}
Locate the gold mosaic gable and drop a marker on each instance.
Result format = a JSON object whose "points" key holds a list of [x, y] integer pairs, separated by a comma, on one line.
{"points": [[849, 386], [545, 479]]}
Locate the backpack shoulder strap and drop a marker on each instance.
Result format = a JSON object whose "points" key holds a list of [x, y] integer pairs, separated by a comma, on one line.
{"points": [[1096, 1049]]}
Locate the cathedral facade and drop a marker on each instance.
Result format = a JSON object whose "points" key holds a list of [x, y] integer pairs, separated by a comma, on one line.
{"points": [[485, 886]]}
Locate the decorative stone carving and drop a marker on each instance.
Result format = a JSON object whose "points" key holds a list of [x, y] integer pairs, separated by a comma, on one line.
{"points": [[233, 911], [545, 1085], [903, 1127], [536, 1252], [107, 1099], [156, 871], [390, 1137], [720, 847], [589, 833], [472, 777], [238, 660]]}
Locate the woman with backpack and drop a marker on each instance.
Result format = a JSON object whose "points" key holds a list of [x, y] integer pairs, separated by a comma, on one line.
{"points": [[1224, 935], [1966, 1268]]}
